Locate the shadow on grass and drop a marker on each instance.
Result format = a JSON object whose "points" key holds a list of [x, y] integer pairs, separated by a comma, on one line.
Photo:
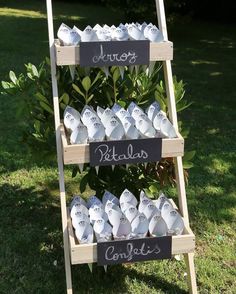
{"points": [[30, 241], [114, 280], [32, 253], [203, 59]]}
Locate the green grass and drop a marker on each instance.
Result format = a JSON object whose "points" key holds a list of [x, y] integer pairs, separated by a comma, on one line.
{"points": [[31, 254]]}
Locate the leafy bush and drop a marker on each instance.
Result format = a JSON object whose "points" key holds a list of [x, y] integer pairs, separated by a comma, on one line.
{"points": [[94, 87]]}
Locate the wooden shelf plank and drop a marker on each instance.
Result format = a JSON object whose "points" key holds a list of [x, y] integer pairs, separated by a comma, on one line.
{"points": [[87, 253], [69, 55], [79, 153]]}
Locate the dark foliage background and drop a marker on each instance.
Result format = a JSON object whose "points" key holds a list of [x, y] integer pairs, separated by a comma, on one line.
{"points": [[220, 10]]}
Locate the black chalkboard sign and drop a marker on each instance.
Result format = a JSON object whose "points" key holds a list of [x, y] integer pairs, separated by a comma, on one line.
{"points": [[125, 151], [114, 53], [133, 250]]}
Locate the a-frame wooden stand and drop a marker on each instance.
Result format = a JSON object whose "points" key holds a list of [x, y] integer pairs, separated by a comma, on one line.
{"points": [[74, 253]]}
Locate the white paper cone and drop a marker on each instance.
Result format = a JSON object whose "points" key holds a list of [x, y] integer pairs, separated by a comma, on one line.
{"points": [[151, 133], [111, 206], [174, 221], [78, 217], [79, 32], [114, 130], [90, 265], [107, 115], [161, 200], [131, 213], [166, 208], [130, 131], [114, 216], [106, 27], [150, 68], [68, 36], [93, 200], [97, 27], [86, 114], [143, 26], [105, 235], [96, 132], [143, 195], [136, 69], [144, 125], [116, 107], [100, 111], [157, 120], [77, 199], [131, 68], [178, 225], [63, 34], [124, 116], [71, 118], [88, 35], [81, 227], [140, 225], [123, 229], [127, 196], [135, 111], [84, 233], [103, 35], [122, 71], [97, 169], [153, 110], [143, 204], [81, 167], [106, 71], [157, 226], [125, 205], [88, 236], [154, 35], [112, 28], [108, 196], [75, 37], [78, 207], [167, 129], [97, 212], [72, 71], [100, 226], [135, 33], [70, 110], [146, 30], [127, 166], [93, 119], [150, 210], [79, 135], [120, 34]]}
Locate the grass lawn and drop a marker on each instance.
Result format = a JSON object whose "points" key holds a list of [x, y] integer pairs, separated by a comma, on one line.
{"points": [[31, 254]]}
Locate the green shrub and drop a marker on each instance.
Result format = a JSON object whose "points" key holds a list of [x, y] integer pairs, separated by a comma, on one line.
{"points": [[93, 87]]}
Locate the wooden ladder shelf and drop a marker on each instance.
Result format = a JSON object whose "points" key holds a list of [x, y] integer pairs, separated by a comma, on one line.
{"points": [[71, 154]]}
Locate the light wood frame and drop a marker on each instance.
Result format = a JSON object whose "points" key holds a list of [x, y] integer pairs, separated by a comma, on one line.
{"points": [[87, 253], [69, 55], [79, 153], [58, 56]]}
